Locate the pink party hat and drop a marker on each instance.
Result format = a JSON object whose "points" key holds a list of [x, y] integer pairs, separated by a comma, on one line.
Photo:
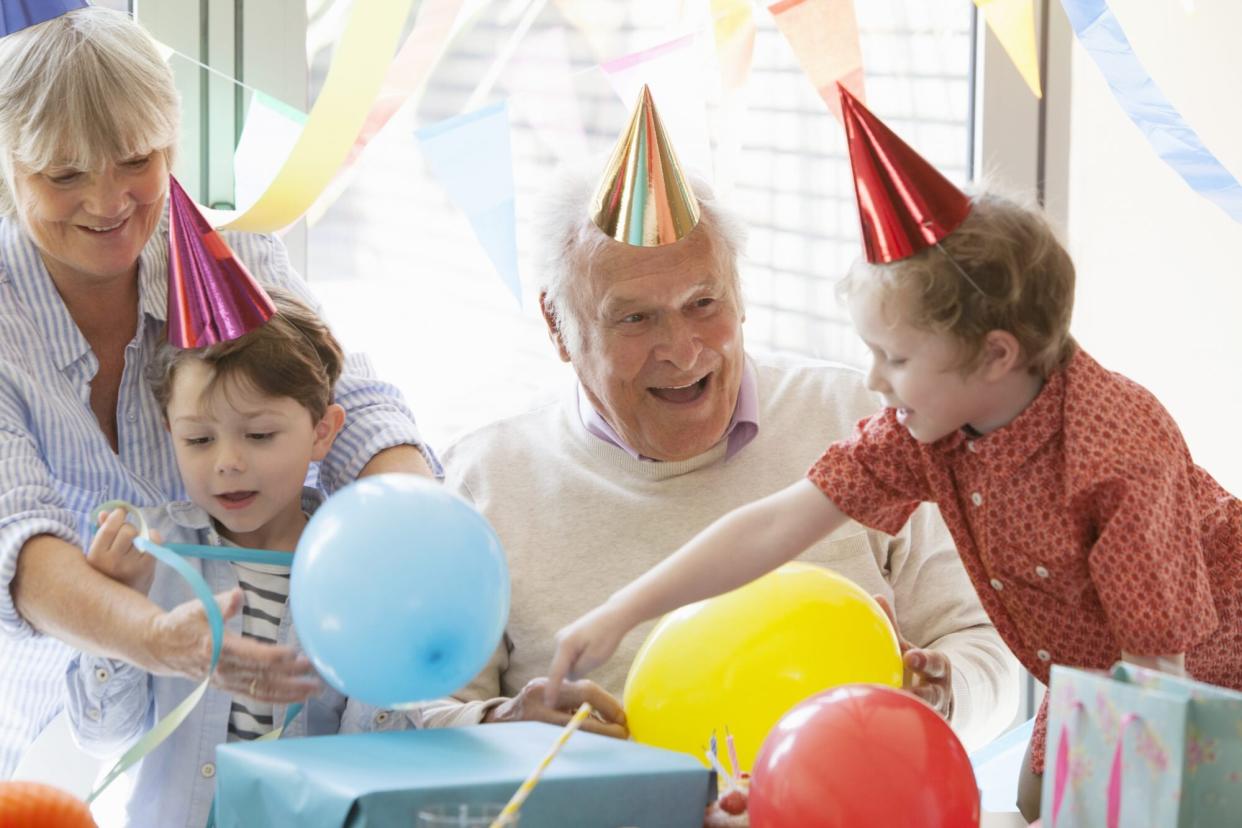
{"points": [[211, 296]]}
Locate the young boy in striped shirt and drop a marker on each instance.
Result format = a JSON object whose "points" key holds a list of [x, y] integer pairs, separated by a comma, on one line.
{"points": [[247, 418]]}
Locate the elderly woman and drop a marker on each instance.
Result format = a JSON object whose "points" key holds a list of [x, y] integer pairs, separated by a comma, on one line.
{"points": [[88, 126]]}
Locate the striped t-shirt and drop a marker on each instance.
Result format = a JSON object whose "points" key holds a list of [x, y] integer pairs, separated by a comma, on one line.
{"points": [[266, 587]]}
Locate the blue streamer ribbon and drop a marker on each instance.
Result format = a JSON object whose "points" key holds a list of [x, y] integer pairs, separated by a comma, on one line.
{"points": [[173, 555], [1168, 133]]}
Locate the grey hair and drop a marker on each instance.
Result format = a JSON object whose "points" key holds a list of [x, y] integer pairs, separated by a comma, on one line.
{"points": [[82, 90], [567, 242]]}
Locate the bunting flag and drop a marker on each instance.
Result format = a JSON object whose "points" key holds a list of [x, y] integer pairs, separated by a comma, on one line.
{"points": [[271, 130], [358, 69], [470, 156], [733, 23], [405, 80], [1168, 133], [1013, 23], [539, 81], [674, 72], [824, 37]]}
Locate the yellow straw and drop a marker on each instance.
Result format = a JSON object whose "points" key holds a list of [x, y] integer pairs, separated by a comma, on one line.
{"points": [[510, 810]]}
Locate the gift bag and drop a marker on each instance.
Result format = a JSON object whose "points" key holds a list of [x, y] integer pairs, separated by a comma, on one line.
{"points": [[1141, 748]]}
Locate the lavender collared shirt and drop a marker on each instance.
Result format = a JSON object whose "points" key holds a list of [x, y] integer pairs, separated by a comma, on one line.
{"points": [[742, 427]]}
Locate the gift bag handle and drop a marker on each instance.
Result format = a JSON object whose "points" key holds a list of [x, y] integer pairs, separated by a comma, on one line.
{"points": [[1061, 774], [1114, 774]]}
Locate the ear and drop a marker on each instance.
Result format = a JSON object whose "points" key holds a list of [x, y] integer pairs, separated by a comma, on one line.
{"points": [[554, 332], [326, 429], [1001, 355]]}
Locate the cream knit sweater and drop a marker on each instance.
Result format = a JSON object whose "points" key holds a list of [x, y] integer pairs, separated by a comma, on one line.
{"points": [[579, 518]]}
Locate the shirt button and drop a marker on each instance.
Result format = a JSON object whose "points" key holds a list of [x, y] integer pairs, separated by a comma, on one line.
{"points": [[101, 675], [381, 717], [970, 446], [1041, 572], [208, 770], [976, 499], [92, 713], [1043, 655], [997, 585], [133, 417]]}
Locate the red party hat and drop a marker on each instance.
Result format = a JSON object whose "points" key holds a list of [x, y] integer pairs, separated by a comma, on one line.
{"points": [[211, 296], [905, 205]]}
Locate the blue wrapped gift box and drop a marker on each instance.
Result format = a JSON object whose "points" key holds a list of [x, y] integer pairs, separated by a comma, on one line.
{"points": [[382, 779]]}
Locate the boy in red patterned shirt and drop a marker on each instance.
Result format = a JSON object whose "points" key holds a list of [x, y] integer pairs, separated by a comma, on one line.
{"points": [[1084, 524]]}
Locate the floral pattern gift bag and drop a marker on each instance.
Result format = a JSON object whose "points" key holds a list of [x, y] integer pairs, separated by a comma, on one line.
{"points": [[1141, 748]]}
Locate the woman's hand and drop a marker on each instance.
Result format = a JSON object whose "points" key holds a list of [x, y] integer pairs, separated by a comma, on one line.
{"points": [[180, 642], [925, 673], [112, 552]]}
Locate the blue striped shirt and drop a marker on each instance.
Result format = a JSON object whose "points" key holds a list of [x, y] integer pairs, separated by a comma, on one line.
{"points": [[56, 464]]}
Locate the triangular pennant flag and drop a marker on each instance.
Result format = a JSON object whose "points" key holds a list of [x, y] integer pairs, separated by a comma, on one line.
{"points": [[674, 72], [904, 204], [470, 156], [211, 296], [1013, 23], [643, 197], [16, 15], [271, 130], [824, 37]]}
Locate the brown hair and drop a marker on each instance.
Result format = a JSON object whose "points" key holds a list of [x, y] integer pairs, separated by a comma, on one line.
{"points": [[294, 355], [1021, 280]]}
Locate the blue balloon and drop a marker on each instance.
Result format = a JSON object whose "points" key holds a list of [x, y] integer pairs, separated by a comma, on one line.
{"points": [[399, 591]]}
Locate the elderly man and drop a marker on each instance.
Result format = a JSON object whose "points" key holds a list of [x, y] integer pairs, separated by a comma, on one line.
{"points": [[669, 425]]}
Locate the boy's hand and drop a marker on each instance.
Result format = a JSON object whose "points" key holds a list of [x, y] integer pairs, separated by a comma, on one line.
{"points": [[530, 705], [925, 673], [112, 552], [582, 646], [181, 641]]}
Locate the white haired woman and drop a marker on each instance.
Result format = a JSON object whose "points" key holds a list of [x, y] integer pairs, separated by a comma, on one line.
{"points": [[88, 125]]}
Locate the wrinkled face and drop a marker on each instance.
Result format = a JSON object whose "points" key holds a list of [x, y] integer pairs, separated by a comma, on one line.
{"points": [[243, 455], [661, 354], [916, 371], [93, 225]]}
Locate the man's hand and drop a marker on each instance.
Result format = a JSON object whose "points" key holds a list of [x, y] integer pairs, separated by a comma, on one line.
{"points": [[926, 673], [180, 640], [530, 705], [112, 552]]}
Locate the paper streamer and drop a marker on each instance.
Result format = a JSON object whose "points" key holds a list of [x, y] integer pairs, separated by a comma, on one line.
{"points": [[674, 72], [1013, 23], [406, 78], [734, 29], [470, 156], [1168, 133], [824, 37], [363, 56], [174, 555]]}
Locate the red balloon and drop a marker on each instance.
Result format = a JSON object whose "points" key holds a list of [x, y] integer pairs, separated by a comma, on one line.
{"points": [[863, 755], [24, 804]]}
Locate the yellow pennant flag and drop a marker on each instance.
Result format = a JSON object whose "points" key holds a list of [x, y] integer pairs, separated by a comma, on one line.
{"points": [[1013, 23], [735, 40]]}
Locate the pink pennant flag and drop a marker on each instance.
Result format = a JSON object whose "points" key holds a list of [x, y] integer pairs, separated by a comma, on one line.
{"points": [[674, 72], [824, 37]]}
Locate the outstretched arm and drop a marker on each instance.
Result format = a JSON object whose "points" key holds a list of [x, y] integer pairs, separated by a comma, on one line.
{"points": [[739, 547]]}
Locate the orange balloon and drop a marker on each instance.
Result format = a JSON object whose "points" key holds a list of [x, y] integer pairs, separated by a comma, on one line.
{"points": [[24, 804]]}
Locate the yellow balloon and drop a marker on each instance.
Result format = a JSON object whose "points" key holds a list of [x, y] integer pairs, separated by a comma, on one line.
{"points": [[743, 659]]}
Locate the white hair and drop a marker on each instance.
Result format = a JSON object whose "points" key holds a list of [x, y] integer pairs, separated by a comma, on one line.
{"points": [[568, 242], [82, 90]]}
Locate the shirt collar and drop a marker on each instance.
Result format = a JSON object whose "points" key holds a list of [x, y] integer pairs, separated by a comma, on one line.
{"points": [[1008, 448], [189, 515], [743, 427]]}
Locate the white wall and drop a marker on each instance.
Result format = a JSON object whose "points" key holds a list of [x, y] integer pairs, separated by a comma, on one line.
{"points": [[1160, 267]]}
